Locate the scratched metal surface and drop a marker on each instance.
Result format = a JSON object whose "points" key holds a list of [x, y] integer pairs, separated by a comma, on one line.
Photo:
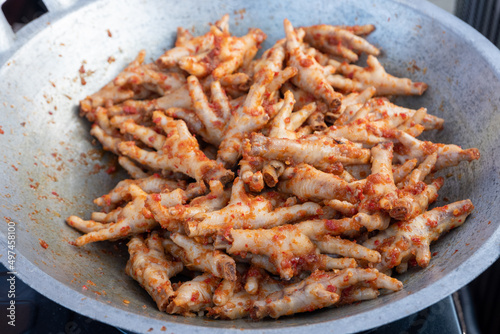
{"points": [[50, 167]]}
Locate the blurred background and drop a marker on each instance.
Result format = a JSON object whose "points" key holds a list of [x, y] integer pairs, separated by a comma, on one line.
{"points": [[473, 309], [483, 15]]}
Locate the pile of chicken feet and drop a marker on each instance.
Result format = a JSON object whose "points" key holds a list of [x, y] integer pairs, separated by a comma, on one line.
{"points": [[268, 186]]}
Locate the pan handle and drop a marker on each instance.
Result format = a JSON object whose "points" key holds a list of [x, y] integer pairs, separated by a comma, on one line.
{"points": [[7, 36], [10, 41]]}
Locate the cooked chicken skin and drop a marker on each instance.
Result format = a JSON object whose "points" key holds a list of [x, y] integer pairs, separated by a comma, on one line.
{"points": [[132, 169], [447, 155], [177, 151], [281, 244], [113, 93], [204, 258], [407, 240], [130, 220], [251, 115], [240, 302], [172, 218], [375, 75], [320, 289], [319, 151], [290, 251], [306, 182], [149, 266], [311, 76], [246, 212], [150, 184], [193, 296], [338, 42]]}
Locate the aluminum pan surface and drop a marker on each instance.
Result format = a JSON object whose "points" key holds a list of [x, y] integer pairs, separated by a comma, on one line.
{"points": [[45, 177]]}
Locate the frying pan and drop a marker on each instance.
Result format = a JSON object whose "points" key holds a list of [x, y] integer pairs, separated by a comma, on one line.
{"points": [[51, 168]]}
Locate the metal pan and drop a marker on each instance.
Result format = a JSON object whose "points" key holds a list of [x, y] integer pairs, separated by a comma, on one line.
{"points": [[50, 167]]}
